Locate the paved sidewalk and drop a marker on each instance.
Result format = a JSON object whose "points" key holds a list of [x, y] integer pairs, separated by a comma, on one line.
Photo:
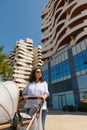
{"points": [[66, 121]]}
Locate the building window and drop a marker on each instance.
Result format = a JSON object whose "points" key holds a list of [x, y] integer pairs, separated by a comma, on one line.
{"points": [[82, 82], [80, 61], [59, 71], [46, 75]]}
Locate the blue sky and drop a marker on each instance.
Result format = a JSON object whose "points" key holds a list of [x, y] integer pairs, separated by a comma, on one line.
{"points": [[20, 19]]}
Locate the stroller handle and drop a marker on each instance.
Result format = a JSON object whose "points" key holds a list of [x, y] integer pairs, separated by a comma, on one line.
{"points": [[32, 98], [35, 98]]}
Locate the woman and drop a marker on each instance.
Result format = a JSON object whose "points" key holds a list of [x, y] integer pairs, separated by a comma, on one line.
{"points": [[37, 87]]}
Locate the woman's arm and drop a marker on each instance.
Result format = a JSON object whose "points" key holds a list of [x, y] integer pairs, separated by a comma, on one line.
{"points": [[25, 97], [45, 96], [46, 92]]}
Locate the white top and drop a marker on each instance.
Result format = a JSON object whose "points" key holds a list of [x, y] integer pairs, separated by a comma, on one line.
{"points": [[36, 89]]}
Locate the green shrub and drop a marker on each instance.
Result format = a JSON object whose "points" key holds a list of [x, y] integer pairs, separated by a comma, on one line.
{"points": [[82, 106]]}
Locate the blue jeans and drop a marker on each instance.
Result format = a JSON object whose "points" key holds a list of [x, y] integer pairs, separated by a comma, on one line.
{"points": [[44, 112]]}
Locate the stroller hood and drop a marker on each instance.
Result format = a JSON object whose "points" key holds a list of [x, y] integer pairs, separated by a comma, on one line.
{"points": [[9, 94]]}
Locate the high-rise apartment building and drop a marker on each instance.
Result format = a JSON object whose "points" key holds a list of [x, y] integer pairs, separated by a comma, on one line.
{"points": [[63, 22], [37, 53], [24, 58], [64, 51], [21, 57]]}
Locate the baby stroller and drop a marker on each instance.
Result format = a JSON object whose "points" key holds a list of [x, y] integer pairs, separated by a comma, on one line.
{"points": [[11, 116]]}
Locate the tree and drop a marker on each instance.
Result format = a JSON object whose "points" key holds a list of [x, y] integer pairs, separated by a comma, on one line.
{"points": [[6, 69], [2, 56]]}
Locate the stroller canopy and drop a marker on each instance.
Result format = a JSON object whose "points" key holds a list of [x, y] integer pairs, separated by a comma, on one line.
{"points": [[9, 94]]}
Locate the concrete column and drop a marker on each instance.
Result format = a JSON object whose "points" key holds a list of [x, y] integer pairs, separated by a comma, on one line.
{"points": [[50, 85], [73, 78]]}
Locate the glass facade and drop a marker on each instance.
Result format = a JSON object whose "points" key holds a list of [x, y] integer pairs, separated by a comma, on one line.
{"points": [[83, 94], [80, 57], [60, 100], [60, 67], [80, 60], [45, 72], [46, 75], [82, 83], [60, 71], [55, 102], [70, 99]]}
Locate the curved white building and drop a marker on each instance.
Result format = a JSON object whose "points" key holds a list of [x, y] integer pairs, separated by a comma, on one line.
{"points": [[63, 22], [22, 57], [37, 53]]}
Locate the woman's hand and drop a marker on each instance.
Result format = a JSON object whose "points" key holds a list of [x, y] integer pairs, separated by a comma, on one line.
{"points": [[26, 97], [43, 97]]}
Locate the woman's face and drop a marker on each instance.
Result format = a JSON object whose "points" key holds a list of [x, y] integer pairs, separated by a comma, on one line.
{"points": [[38, 73]]}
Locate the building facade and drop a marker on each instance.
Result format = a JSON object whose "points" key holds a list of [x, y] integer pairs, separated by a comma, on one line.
{"points": [[37, 53], [21, 57], [24, 58], [64, 51], [66, 74], [63, 22]]}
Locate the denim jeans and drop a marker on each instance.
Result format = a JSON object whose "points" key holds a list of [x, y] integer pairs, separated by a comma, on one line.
{"points": [[44, 112]]}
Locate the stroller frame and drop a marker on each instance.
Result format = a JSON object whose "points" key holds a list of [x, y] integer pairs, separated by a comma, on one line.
{"points": [[18, 121]]}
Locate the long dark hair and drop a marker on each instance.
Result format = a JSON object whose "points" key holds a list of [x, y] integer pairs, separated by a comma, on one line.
{"points": [[33, 78]]}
